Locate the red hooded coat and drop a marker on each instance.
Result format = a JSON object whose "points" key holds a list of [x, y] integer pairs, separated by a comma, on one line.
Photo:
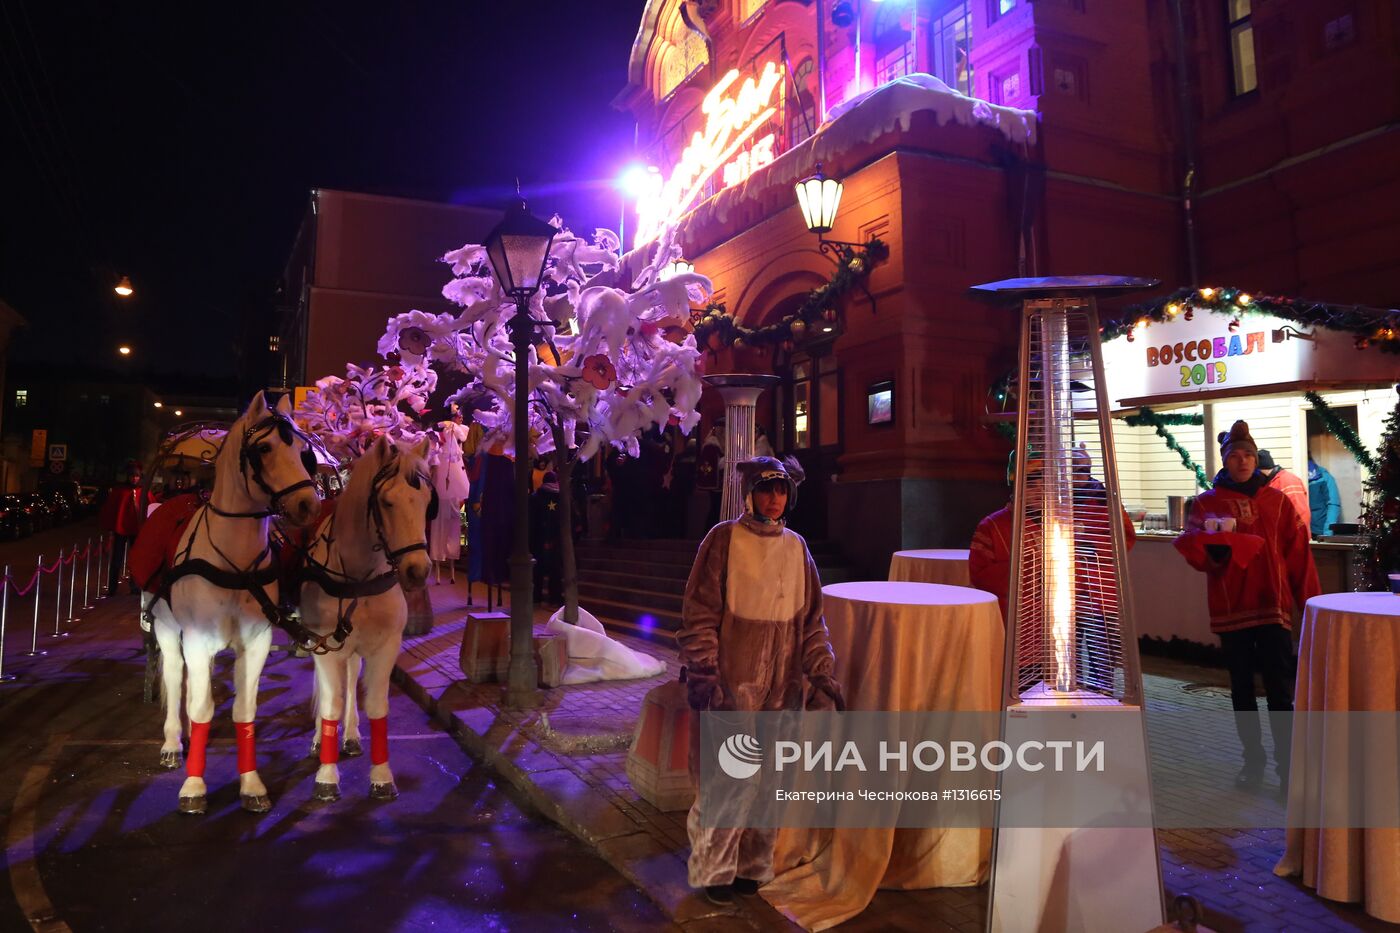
{"points": [[1263, 579]]}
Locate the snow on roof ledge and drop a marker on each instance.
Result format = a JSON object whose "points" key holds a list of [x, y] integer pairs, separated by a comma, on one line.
{"points": [[890, 106], [864, 119]]}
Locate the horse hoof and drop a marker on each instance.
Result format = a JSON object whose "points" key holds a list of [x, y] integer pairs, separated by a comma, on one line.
{"points": [[170, 760], [352, 749], [387, 791], [326, 792], [255, 803], [196, 805]]}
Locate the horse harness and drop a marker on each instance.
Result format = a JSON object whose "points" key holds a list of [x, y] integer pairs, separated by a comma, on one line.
{"points": [[254, 578], [341, 586]]}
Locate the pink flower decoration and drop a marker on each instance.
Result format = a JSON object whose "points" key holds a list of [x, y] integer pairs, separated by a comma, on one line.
{"points": [[598, 371], [414, 340]]}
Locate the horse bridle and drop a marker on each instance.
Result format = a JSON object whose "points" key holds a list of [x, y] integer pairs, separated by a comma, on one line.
{"points": [[376, 514], [247, 456]]}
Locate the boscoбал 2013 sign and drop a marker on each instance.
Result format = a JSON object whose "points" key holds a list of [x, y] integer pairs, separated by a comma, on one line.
{"points": [[1204, 354], [729, 143]]}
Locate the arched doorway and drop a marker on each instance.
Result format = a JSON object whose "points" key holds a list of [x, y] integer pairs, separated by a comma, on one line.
{"points": [[802, 416]]}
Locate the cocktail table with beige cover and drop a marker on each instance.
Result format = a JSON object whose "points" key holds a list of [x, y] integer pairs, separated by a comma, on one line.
{"points": [[1348, 661], [933, 565], [901, 647]]}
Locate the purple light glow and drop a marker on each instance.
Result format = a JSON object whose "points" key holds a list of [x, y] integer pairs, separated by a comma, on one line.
{"points": [[647, 623]]}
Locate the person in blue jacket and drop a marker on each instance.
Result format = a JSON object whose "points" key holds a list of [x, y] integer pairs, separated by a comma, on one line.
{"points": [[1323, 499]]}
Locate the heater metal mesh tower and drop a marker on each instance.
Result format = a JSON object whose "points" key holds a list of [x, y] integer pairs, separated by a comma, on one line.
{"points": [[1071, 643], [1069, 552]]}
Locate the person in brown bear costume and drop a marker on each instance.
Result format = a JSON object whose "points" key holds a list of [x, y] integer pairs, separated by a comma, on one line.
{"points": [[752, 637]]}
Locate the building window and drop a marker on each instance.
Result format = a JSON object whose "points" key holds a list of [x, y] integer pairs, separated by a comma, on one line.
{"points": [[950, 41], [996, 9], [802, 115], [682, 60], [1008, 87], [894, 52], [21, 398], [748, 9], [801, 405], [1241, 46]]}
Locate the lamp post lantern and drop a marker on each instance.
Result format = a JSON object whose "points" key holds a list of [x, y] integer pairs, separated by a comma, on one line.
{"points": [[518, 248], [819, 198]]}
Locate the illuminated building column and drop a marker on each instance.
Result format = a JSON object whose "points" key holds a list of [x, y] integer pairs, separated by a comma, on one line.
{"points": [[740, 392]]}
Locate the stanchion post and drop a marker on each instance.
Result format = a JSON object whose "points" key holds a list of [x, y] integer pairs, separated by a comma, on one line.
{"points": [[87, 572], [4, 614], [34, 651], [72, 585], [101, 575], [58, 597]]}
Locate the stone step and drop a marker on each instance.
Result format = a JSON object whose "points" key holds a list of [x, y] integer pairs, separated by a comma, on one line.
{"points": [[649, 623], [613, 576], [587, 566], [640, 599]]}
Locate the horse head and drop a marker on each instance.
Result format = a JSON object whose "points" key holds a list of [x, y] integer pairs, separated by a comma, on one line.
{"points": [[401, 503], [273, 460]]}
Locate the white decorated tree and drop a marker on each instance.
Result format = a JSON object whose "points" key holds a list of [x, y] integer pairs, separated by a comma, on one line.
{"points": [[602, 368], [348, 414]]}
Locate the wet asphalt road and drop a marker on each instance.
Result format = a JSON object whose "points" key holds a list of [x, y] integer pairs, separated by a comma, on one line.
{"points": [[93, 841]]}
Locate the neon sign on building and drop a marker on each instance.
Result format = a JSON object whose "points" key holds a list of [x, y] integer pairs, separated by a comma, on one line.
{"points": [[731, 123]]}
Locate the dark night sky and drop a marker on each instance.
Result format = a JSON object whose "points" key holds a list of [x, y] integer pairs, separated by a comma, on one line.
{"points": [[177, 143]]}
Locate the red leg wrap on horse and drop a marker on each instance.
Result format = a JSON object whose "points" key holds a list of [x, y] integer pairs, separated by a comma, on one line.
{"points": [[247, 747], [379, 741], [330, 741], [199, 742]]}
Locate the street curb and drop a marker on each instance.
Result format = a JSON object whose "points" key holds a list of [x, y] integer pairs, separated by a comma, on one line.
{"points": [[617, 838]]}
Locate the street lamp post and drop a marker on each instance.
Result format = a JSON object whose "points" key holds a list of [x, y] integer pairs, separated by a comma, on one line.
{"points": [[819, 197], [518, 249]]}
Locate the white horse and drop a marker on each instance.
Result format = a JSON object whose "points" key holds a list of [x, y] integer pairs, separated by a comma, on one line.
{"points": [[222, 591], [373, 545]]}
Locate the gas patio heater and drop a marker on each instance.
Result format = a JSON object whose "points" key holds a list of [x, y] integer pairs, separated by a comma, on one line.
{"points": [[1072, 668]]}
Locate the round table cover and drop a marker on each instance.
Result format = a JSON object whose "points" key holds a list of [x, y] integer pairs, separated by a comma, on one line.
{"points": [[934, 565], [899, 646], [1348, 660]]}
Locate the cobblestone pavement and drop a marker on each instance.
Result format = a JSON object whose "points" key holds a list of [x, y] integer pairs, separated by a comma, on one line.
{"points": [[569, 759]]}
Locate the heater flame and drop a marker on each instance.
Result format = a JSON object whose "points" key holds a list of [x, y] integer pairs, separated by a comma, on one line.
{"points": [[1061, 573]]}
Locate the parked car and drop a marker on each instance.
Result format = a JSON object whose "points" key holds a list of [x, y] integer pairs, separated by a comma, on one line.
{"points": [[39, 510], [67, 491], [15, 518], [59, 507]]}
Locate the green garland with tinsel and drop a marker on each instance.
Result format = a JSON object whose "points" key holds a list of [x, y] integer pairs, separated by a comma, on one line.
{"points": [[1380, 519], [716, 328], [1342, 431], [1147, 416], [1369, 326]]}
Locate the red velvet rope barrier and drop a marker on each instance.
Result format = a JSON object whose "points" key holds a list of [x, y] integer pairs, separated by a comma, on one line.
{"points": [[58, 564]]}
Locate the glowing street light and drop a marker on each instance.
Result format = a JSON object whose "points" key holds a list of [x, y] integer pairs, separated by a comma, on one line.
{"points": [[124, 350], [159, 405], [819, 197], [178, 413], [676, 267], [518, 249], [635, 179], [124, 288]]}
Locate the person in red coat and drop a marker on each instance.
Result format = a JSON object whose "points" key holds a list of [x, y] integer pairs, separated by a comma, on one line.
{"points": [[119, 518], [1252, 545], [1290, 484], [989, 556]]}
